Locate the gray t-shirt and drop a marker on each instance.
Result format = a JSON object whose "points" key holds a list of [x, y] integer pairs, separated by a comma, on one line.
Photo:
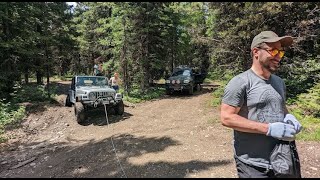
{"points": [[260, 100]]}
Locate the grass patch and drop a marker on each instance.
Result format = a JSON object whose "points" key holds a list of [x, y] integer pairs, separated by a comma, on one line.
{"points": [[137, 96], [218, 93], [10, 115], [213, 120], [306, 108]]}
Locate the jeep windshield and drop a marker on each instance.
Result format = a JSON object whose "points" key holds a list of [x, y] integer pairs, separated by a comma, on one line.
{"points": [[185, 72], [91, 81]]}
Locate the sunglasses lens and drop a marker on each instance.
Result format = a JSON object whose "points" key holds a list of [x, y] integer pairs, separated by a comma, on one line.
{"points": [[274, 52], [281, 53]]}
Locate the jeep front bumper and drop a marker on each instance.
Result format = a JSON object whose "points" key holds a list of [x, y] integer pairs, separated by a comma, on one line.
{"points": [[109, 100], [178, 87]]}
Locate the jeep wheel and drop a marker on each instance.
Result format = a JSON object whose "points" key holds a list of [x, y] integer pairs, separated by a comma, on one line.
{"points": [[191, 90], [168, 92], [67, 101], [119, 108], [199, 87], [79, 112]]}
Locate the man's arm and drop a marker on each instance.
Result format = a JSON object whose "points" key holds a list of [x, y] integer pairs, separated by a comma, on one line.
{"points": [[229, 117]]}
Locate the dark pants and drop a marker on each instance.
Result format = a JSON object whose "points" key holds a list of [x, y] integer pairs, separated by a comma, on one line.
{"points": [[115, 88], [249, 171]]}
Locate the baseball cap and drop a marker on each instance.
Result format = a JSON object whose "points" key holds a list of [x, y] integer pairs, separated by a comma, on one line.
{"points": [[270, 36]]}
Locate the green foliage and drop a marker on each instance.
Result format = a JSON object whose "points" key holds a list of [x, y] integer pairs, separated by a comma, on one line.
{"points": [[311, 126], [137, 96], [9, 115], [35, 39], [300, 75], [310, 102], [307, 110], [218, 93], [33, 93]]}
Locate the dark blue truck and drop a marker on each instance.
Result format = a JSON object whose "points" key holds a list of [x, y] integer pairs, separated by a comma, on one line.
{"points": [[184, 78]]}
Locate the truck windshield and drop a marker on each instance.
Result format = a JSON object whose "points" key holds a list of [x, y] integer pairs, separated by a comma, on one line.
{"points": [[185, 72], [91, 81]]}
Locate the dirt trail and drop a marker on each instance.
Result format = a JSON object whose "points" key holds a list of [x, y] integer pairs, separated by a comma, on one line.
{"points": [[175, 136]]}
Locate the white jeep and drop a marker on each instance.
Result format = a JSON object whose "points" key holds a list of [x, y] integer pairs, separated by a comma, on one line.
{"points": [[89, 92]]}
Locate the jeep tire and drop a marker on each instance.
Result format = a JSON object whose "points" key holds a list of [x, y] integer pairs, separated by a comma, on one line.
{"points": [[119, 108], [67, 101], [79, 112], [190, 90], [199, 87], [168, 91]]}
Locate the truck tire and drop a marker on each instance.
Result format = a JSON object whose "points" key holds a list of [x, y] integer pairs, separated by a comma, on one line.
{"points": [[68, 103], [199, 87], [168, 92], [119, 108], [79, 112], [191, 90]]}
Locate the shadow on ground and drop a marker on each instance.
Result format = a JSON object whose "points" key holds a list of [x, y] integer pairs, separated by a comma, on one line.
{"points": [[98, 117], [98, 159]]}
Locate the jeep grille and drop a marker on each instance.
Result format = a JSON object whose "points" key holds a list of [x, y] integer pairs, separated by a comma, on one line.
{"points": [[102, 94]]}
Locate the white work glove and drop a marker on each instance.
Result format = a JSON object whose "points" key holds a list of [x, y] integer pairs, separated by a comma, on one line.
{"points": [[281, 131], [290, 119]]}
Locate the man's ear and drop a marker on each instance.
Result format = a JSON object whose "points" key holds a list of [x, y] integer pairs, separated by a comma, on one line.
{"points": [[255, 52]]}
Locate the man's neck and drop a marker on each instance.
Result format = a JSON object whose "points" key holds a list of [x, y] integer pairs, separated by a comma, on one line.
{"points": [[263, 73]]}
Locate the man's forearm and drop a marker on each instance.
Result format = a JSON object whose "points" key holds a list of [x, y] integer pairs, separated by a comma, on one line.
{"points": [[242, 124]]}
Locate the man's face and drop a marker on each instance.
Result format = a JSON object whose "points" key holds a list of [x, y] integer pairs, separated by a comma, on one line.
{"points": [[266, 59]]}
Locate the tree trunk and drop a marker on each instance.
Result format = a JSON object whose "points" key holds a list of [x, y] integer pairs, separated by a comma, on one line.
{"points": [[26, 76], [123, 57], [39, 77], [48, 73]]}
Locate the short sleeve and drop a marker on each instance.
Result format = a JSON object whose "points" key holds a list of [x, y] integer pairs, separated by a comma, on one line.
{"points": [[234, 92]]}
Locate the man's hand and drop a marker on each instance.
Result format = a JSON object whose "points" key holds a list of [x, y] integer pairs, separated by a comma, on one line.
{"points": [[290, 119], [281, 131]]}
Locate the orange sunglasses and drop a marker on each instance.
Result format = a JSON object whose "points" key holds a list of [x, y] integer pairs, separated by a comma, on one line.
{"points": [[274, 52]]}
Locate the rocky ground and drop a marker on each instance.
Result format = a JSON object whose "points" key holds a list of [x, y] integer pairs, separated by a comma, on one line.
{"points": [[174, 136]]}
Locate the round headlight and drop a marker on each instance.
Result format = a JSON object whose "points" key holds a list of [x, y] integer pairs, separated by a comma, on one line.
{"points": [[186, 81], [178, 81], [92, 96]]}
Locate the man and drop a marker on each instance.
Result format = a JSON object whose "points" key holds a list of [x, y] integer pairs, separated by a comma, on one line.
{"points": [[97, 68], [253, 105]]}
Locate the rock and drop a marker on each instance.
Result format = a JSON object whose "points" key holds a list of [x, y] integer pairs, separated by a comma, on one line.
{"points": [[32, 164], [314, 168]]}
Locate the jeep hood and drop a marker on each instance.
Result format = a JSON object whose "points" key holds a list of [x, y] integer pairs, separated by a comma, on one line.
{"points": [[97, 88], [180, 77]]}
